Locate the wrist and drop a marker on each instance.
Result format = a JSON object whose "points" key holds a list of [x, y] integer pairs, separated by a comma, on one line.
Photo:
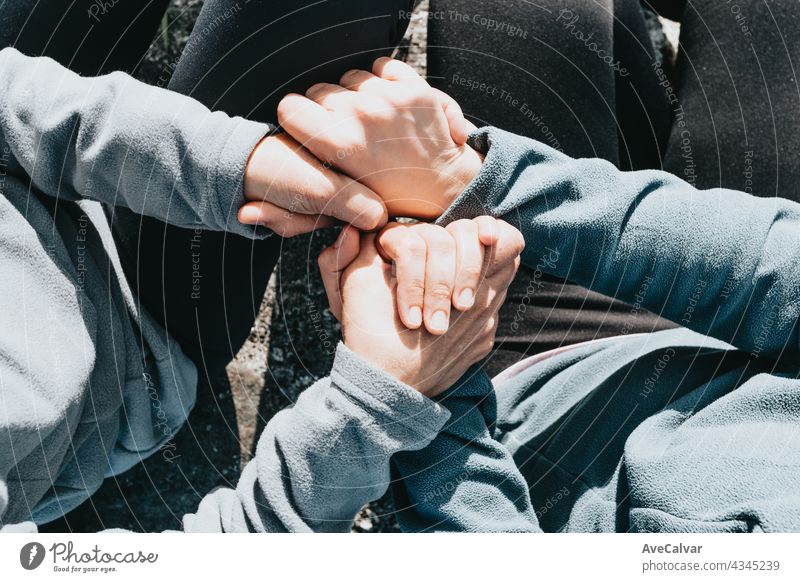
{"points": [[439, 185], [462, 172], [405, 370], [253, 183], [272, 156], [386, 396]]}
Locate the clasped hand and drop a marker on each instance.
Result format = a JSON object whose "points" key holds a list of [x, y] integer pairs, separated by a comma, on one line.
{"points": [[385, 144]]}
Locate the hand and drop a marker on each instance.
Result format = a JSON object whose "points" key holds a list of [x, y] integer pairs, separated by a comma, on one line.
{"points": [[292, 192], [362, 295], [389, 130], [435, 267]]}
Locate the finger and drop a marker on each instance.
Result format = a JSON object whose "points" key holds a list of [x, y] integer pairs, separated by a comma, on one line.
{"points": [[356, 204], [391, 239], [510, 243], [440, 269], [296, 180], [485, 339], [358, 80], [488, 231], [328, 95], [503, 278], [335, 259], [459, 130], [310, 124], [408, 251], [394, 70], [469, 262], [303, 118], [368, 253], [281, 221], [297, 111]]}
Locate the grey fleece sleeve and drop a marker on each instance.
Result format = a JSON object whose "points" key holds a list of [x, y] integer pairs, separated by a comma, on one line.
{"points": [[720, 262], [465, 480], [115, 140], [320, 461]]}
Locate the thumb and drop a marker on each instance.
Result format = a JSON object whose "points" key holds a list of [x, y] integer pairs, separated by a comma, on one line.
{"points": [[333, 261], [280, 221], [459, 126], [353, 203]]}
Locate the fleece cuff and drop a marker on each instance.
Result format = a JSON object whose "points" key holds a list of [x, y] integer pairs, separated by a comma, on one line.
{"points": [[505, 155], [399, 409], [228, 179]]}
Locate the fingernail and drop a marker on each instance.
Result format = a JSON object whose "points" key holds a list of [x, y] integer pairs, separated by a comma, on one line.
{"points": [[439, 321], [373, 217], [341, 238], [414, 316], [249, 215], [466, 298]]}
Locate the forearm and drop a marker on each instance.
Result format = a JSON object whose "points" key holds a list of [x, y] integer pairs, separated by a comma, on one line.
{"points": [[320, 461], [720, 262], [122, 142], [465, 480]]}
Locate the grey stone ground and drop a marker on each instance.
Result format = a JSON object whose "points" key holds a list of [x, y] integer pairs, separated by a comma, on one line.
{"points": [[291, 345]]}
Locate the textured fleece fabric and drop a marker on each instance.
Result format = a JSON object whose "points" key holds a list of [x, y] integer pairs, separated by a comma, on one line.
{"points": [[674, 431], [692, 429], [88, 385]]}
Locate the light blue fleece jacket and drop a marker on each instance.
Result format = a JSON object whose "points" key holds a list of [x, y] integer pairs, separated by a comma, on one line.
{"points": [[88, 384], [672, 431]]}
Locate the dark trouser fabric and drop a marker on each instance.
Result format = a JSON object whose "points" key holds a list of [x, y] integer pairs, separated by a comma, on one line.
{"points": [[574, 75], [740, 98], [90, 37], [537, 69]]}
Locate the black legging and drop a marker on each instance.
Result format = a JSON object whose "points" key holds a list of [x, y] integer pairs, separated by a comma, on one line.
{"points": [[89, 37], [242, 57], [544, 78]]}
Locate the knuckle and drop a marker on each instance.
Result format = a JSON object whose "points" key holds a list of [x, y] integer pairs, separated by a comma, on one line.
{"points": [[439, 290], [307, 204], [423, 96], [409, 96], [381, 61], [441, 241], [519, 242], [413, 247], [350, 74], [374, 108], [512, 237], [462, 224], [315, 88], [414, 287], [486, 222], [470, 272]]}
